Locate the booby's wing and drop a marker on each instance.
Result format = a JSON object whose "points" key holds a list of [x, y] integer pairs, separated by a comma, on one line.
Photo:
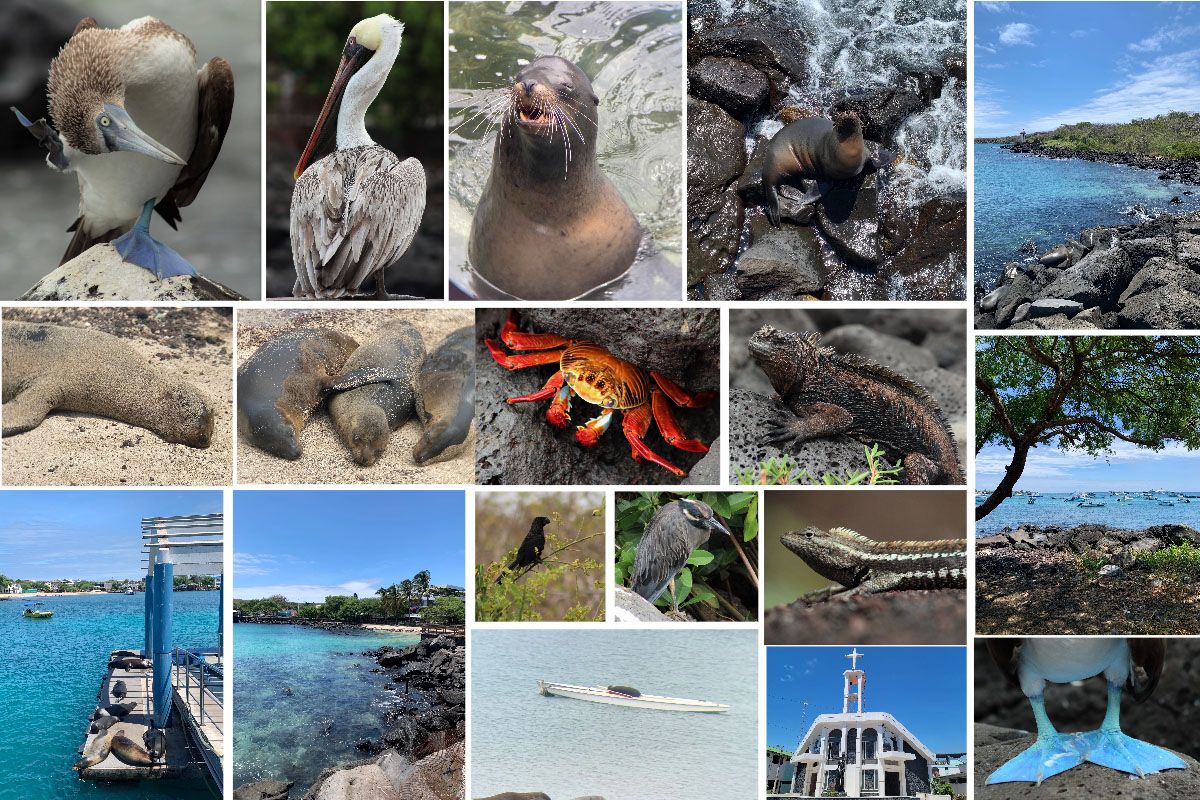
{"points": [[212, 121], [353, 212], [1148, 655], [1005, 652]]}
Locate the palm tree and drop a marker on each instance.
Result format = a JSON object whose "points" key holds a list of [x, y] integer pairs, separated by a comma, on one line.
{"points": [[388, 600], [405, 595], [421, 584]]}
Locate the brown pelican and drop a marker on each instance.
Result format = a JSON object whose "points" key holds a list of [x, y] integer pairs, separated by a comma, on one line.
{"points": [[126, 103], [355, 211]]}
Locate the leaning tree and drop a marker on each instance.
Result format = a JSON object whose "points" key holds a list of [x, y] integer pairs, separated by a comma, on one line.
{"points": [[1082, 393]]}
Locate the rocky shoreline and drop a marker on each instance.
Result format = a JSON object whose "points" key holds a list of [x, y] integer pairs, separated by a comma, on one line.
{"points": [[853, 245], [421, 753], [1090, 579], [1183, 170], [1144, 276]]}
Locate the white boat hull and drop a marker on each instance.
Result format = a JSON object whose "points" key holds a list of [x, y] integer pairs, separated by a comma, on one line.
{"points": [[599, 694]]}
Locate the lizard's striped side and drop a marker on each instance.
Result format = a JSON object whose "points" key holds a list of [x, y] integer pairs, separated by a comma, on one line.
{"points": [[865, 565]]}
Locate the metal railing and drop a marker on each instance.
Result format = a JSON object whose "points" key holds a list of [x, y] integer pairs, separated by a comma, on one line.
{"points": [[191, 671]]}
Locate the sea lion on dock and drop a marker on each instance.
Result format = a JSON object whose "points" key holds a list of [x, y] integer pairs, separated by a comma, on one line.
{"points": [[96, 751], [446, 401], [155, 740], [817, 148], [284, 382], [103, 724], [550, 225], [124, 654], [130, 664], [114, 710], [366, 416], [49, 367], [119, 690], [129, 751]]}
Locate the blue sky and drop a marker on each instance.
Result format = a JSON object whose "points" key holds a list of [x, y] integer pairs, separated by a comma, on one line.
{"points": [[924, 688], [85, 535], [307, 545], [1049, 469], [1039, 65]]}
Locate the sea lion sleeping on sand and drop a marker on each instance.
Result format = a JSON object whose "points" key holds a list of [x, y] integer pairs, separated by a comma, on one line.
{"points": [[819, 149]]}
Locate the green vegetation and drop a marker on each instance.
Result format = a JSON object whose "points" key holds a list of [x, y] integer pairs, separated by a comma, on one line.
{"points": [[1178, 560], [1174, 135], [1083, 393], [569, 583], [717, 574], [397, 602], [778, 471]]}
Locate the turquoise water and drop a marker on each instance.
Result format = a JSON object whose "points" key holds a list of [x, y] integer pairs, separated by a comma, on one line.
{"points": [[1019, 197], [334, 704], [50, 672], [524, 742], [1051, 509]]}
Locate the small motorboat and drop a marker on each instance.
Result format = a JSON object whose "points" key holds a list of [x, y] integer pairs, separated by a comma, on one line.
{"points": [[1165, 503], [626, 696], [1090, 504], [32, 613]]}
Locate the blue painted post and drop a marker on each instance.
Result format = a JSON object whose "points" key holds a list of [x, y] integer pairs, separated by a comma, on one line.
{"points": [[164, 574], [149, 651], [221, 620]]}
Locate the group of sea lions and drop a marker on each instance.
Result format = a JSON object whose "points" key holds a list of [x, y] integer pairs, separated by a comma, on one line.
{"points": [[106, 734], [371, 390]]}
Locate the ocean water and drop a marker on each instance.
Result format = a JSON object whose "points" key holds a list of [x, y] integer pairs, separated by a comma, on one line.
{"points": [[1020, 197], [1051, 509], [334, 704], [50, 672], [522, 741]]}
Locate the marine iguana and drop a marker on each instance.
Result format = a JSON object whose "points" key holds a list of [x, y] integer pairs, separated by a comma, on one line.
{"points": [[831, 393]]}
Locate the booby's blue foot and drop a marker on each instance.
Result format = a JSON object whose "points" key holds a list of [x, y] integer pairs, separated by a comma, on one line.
{"points": [[1051, 754], [138, 247], [1116, 750]]}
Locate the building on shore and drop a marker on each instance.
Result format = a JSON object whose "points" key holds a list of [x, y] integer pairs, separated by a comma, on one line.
{"points": [[860, 753], [780, 770]]}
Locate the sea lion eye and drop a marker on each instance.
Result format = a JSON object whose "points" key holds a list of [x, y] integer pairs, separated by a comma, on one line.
{"points": [[570, 87]]}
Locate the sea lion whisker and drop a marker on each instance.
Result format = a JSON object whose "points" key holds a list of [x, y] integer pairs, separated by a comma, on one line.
{"points": [[576, 107], [578, 132]]}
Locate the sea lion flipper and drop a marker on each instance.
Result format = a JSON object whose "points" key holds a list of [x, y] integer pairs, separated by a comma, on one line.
{"points": [[27, 410]]}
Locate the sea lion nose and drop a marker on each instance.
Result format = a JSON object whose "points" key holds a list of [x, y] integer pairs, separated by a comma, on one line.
{"points": [[529, 87]]}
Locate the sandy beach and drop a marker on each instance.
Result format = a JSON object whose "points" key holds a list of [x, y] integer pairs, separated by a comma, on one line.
{"points": [[71, 449], [325, 459], [393, 628]]}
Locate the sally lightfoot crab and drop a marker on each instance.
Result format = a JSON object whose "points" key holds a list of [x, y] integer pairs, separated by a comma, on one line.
{"points": [[588, 371]]}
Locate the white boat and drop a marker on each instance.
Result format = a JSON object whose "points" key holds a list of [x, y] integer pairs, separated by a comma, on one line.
{"points": [[626, 696]]}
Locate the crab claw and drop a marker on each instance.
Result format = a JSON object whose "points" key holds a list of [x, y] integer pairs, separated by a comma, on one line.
{"points": [[559, 412], [587, 435]]}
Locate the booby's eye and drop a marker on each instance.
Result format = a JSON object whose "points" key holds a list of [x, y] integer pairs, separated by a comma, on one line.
{"points": [[105, 121]]}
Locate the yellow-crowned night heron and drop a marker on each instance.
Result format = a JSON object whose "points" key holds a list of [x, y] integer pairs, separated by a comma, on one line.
{"points": [[673, 533], [530, 551]]}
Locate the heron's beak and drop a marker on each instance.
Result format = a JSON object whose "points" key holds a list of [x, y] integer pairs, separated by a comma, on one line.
{"points": [[714, 525], [352, 61], [120, 132]]}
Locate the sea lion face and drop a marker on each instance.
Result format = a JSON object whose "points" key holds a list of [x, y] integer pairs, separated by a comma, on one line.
{"points": [[552, 101], [192, 413], [368, 433], [785, 357]]}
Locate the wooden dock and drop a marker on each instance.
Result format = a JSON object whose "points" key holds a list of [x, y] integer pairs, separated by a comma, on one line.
{"points": [[139, 684]]}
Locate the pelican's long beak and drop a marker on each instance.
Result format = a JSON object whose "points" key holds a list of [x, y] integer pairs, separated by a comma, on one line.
{"points": [[120, 132], [353, 59]]}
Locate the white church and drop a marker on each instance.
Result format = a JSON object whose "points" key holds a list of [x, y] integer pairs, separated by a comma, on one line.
{"points": [[860, 753]]}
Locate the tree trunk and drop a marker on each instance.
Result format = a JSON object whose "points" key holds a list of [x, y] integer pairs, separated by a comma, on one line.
{"points": [[1003, 490]]}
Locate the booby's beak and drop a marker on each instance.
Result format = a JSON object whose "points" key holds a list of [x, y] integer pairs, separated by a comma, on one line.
{"points": [[120, 132], [353, 59]]}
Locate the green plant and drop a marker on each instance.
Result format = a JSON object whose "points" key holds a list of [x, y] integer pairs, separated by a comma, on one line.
{"points": [[777, 471], [1092, 560], [718, 574], [1181, 560]]}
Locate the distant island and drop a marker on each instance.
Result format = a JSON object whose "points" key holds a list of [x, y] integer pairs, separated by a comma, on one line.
{"points": [[1172, 135]]}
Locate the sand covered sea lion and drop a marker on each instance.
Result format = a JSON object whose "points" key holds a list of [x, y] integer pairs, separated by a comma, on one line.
{"points": [[365, 417], [48, 367], [550, 225], [286, 379], [96, 751], [818, 149], [129, 751], [446, 402]]}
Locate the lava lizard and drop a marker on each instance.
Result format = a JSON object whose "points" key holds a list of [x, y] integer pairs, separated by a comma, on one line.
{"points": [[864, 566]]}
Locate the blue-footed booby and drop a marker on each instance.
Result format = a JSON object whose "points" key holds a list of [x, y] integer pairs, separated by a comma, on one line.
{"points": [[129, 104], [1135, 664], [356, 210]]}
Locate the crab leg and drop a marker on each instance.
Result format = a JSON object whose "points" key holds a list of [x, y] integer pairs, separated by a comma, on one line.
{"points": [[634, 426], [679, 396], [511, 362], [556, 380], [528, 341], [670, 429], [590, 432]]}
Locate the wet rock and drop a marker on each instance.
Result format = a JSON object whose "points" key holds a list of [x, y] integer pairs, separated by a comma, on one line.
{"points": [[1097, 280], [773, 48], [1160, 272], [882, 111], [722, 286], [1028, 247], [716, 158], [1098, 238], [263, 790], [848, 218], [736, 87], [1023, 289], [750, 185], [782, 261], [1165, 307], [956, 67], [938, 238]]}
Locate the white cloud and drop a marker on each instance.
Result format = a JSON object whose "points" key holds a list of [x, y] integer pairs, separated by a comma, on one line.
{"points": [[1017, 33], [1081, 33], [1155, 42], [1169, 83], [985, 47], [991, 118], [993, 6], [307, 592]]}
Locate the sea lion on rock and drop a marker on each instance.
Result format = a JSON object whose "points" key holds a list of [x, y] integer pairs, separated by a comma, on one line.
{"points": [[446, 401], [550, 225], [130, 752], [284, 382], [96, 751], [48, 367], [819, 149], [365, 417]]}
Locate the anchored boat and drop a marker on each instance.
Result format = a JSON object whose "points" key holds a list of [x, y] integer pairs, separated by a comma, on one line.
{"points": [[33, 613], [626, 696]]}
